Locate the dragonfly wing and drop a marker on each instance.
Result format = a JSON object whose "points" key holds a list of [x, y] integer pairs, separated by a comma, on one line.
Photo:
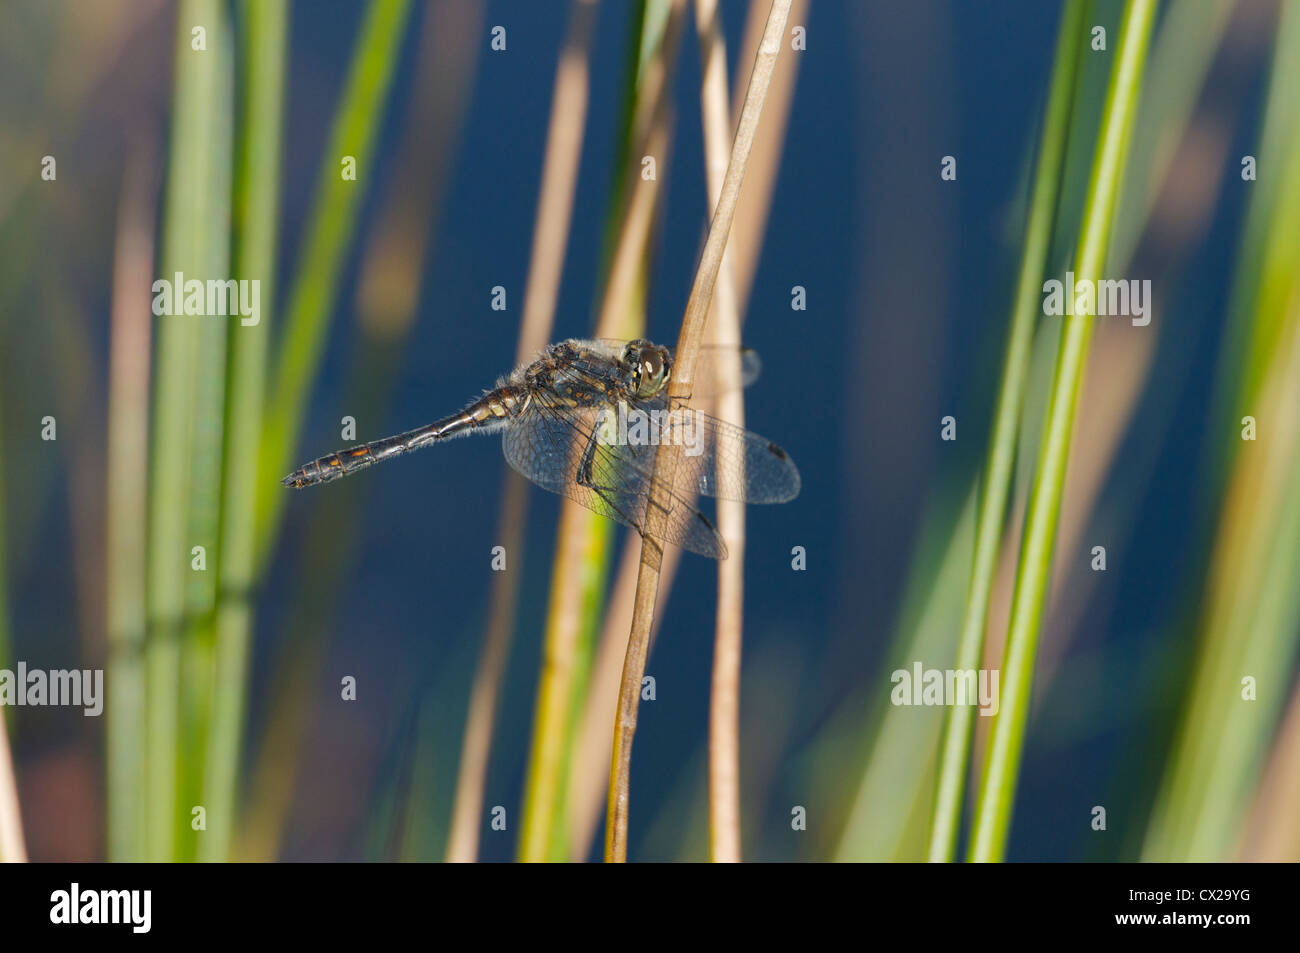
{"points": [[720, 368], [556, 448], [727, 462]]}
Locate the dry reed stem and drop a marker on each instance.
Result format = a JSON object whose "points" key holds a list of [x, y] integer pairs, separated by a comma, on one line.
{"points": [[1272, 830], [724, 698], [559, 182], [590, 774], [750, 227], [629, 251], [679, 392], [476, 746]]}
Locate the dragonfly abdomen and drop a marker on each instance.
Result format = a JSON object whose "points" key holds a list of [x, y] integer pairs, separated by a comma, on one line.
{"points": [[340, 463], [489, 410]]}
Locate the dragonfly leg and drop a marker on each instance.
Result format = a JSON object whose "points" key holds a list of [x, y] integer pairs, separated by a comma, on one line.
{"points": [[584, 479], [584, 465]]}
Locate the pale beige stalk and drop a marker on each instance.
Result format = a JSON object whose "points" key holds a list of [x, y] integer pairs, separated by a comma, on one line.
{"points": [[724, 699], [747, 234], [1272, 831], [12, 847]]}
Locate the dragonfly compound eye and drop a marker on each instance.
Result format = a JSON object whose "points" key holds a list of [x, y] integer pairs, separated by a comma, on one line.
{"points": [[650, 373]]}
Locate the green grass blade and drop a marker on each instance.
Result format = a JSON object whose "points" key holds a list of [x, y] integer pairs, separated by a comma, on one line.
{"points": [[584, 541], [1252, 610], [328, 236], [1182, 52], [203, 521], [257, 202], [126, 506], [899, 777], [195, 243], [1070, 43], [387, 298], [997, 792]]}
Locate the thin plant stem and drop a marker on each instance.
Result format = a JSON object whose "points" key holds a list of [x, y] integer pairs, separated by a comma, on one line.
{"points": [[897, 780], [590, 767], [581, 562], [1272, 831], [12, 847], [955, 752], [765, 157], [585, 538], [724, 696], [621, 308], [1251, 606], [203, 518], [679, 392], [329, 234], [997, 791], [550, 240], [388, 293], [195, 238], [127, 503], [898, 773], [257, 199]]}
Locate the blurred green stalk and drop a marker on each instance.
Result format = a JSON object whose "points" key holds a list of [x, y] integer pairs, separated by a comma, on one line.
{"points": [[198, 639], [388, 291], [997, 792], [126, 506], [328, 235], [195, 243], [1252, 609], [898, 778], [257, 202], [1070, 43], [584, 541]]}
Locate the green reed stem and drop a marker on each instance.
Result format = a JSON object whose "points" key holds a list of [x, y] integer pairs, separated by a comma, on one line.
{"points": [[328, 236], [257, 202], [997, 792], [195, 243], [955, 755]]}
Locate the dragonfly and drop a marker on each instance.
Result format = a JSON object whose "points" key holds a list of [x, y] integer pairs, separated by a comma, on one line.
{"points": [[585, 420]]}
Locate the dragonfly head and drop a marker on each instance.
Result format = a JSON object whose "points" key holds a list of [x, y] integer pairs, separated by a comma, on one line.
{"points": [[649, 366]]}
